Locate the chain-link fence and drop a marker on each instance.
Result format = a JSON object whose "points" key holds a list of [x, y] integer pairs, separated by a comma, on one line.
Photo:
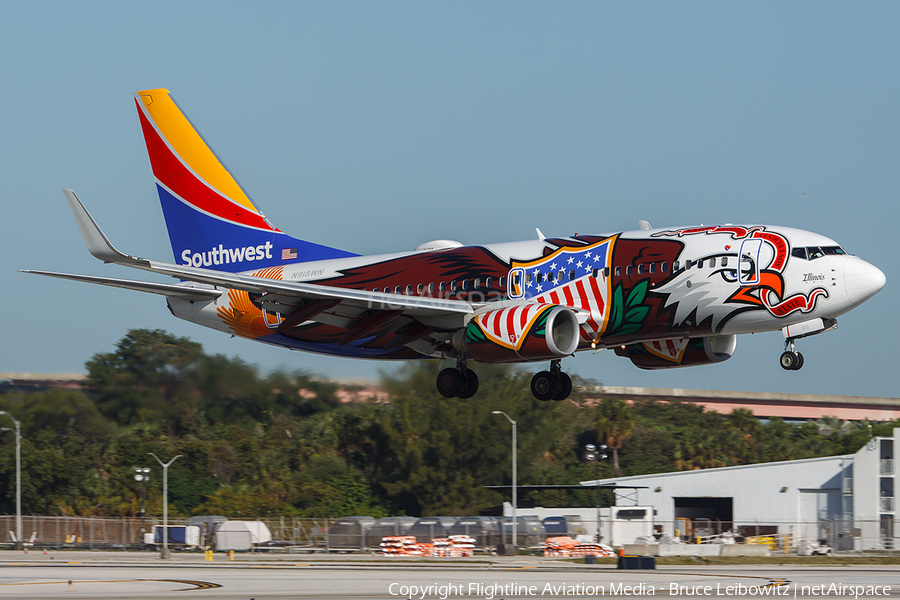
{"points": [[361, 534]]}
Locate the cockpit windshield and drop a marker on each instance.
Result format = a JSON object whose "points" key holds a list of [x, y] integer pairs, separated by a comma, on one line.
{"points": [[814, 252]]}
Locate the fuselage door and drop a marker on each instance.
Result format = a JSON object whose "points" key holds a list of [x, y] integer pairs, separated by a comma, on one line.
{"points": [[748, 271]]}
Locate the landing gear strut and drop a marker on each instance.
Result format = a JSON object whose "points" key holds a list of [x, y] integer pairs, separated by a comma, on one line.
{"points": [[458, 382], [552, 384], [790, 359]]}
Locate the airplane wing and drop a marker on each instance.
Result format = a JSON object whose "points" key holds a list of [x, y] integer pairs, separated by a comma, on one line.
{"points": [[163, 289], [360, 308]]}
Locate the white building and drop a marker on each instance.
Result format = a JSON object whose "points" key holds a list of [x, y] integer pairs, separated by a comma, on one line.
{"points": [[846, 500], [874, 506]]}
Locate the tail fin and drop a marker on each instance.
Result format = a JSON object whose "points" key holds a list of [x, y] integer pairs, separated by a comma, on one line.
{"points": [[212, 221]]}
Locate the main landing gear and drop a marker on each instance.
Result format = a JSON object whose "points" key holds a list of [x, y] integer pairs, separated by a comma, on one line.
{"points": [[552, 384], [458, 382], [790, 359]]}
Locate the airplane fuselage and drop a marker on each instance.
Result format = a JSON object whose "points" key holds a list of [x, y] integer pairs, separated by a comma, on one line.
{"points": [[630, 287]]}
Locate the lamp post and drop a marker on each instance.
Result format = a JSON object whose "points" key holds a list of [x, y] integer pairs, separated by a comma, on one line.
{"points": [[142, 474], [164, 554], [514, 518], [592, 455], [19, 545]]}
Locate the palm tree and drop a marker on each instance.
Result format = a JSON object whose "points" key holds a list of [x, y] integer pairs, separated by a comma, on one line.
{"points": [[615, 424]]}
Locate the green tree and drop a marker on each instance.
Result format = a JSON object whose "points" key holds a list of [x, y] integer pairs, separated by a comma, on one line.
{"points": [[615, 424]]}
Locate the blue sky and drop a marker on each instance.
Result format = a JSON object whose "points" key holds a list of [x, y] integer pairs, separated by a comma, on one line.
{"points": [[374, 127]]}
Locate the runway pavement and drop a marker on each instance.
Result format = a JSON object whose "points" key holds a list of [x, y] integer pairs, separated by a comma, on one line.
{"points": [[142, 575]]}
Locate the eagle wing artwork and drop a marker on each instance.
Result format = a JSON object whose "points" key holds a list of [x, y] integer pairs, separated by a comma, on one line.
{"points": [[663, 298]]}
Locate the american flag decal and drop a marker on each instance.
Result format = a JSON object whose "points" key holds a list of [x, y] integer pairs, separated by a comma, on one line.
{"points": [[576, 277], [289, 254]]}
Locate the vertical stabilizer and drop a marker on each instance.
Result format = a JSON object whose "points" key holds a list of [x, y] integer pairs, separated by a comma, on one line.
{"points": [[212, 221]]}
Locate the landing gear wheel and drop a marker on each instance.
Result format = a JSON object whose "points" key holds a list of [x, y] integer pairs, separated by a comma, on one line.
{"points": [[791, 361], [565, 387], [449, 383], [544, 385], [471, 385]]}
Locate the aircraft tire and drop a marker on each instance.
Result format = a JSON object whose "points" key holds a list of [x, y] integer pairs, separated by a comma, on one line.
{"points": [[544, 385], [565, 387], [789, 361], [449, 383], [471, 381], [799, 364]]}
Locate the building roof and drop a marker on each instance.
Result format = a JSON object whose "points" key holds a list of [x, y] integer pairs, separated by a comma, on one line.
{"points": [[767, 404]]}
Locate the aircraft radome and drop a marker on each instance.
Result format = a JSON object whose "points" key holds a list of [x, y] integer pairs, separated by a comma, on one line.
{"points": [[663, 298]]}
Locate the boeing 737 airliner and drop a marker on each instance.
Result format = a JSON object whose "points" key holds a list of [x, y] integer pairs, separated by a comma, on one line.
{"points": [[662, 298]]}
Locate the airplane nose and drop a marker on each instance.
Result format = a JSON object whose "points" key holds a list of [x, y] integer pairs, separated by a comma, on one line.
{"points": [[862, 280]]}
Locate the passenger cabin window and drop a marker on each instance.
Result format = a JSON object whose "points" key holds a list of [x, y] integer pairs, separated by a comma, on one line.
{"points": [[443, 286], [606, 271], [387, 290], [453, 286], [550, 276], [595, 272], [431, 288], [540, 277], [409, 289], [700, 264], [675, 266], [572, 275], [502, 282], [420, 288], [724, 261], [663, 267], [488, 282], [653, 267], [640, 269], [477, 283], [628, 270], [687, 264], [397, 290], [618, 271]]}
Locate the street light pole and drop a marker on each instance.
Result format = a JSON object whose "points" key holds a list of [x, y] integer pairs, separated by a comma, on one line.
{"points": [[515, 520], [591, 455], [164, 554], [19, 541], [142, 475]]}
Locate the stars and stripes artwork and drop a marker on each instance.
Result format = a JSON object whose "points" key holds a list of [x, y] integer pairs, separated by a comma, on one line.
{"points": [[578, 277], [508, 327], [289, 254]]}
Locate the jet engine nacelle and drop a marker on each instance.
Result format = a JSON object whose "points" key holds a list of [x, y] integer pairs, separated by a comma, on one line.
{"points": [[520, 333], [671, 354]]}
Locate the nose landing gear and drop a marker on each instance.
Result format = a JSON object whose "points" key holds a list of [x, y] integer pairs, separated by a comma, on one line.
{"points": [[790, 359], [552, 384], [458, 382]]}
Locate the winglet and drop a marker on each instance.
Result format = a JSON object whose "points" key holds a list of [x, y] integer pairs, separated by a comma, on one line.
{"points": [[96, 241]]}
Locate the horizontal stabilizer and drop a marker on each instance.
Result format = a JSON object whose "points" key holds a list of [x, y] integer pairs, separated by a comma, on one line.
{"points": [[163, 289]]}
